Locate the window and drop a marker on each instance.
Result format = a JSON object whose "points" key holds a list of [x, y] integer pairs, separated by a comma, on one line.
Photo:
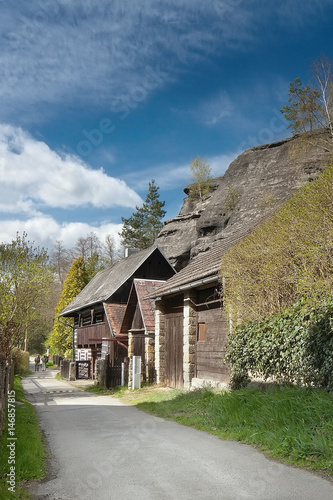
{"points": [[201, 332]]}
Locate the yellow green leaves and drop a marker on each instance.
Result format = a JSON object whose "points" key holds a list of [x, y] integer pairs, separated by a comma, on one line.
{"points": [[288, 256]]}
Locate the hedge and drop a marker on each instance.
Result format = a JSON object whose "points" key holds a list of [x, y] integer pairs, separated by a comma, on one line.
{"points": [[21, 360], [295, 346]]}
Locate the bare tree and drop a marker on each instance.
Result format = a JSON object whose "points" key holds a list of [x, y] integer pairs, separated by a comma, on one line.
{"points": [[88, 246], [110, 252], [201, 174], [60, 260], [322, 70]]}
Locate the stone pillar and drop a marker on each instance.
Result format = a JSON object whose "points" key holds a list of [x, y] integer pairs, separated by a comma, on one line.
{"points": [[159, 342], [100, 372], [189, 338], [72, 370], [149, 358], [130, 360]]}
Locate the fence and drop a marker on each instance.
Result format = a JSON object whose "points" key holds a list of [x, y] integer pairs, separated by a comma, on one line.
{"points": [[57, 360], [83, 369], [113, 376], [64, 368]]}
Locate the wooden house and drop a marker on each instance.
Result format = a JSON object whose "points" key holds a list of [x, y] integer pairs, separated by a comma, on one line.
{"points": [[190, 326], [99, 309], [139, 324]]}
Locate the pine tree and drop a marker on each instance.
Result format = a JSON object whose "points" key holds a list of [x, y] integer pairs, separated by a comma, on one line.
{"points": [[61, 335], [304, 112], [142, 227]]}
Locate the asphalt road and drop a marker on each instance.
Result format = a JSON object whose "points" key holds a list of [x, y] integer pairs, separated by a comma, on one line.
{"points": [[102, 449]]}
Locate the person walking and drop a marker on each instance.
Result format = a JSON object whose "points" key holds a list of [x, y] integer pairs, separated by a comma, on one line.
{"points": [[44, 360], [37, 361]]}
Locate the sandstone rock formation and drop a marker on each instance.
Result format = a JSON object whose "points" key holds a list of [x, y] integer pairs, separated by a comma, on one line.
{"points": [[256, 183]]}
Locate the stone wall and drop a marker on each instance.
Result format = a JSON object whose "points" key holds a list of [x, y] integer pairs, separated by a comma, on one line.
{"points": [[189, 338]]}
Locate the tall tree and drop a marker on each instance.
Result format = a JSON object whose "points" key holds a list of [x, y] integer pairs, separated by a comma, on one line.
{"points": [[60, 260], [304, 112], [201, 174], [25, 282], [86, 247], [311, 107], [61, 335], [142, 227], [322, 70], [110, 254]]}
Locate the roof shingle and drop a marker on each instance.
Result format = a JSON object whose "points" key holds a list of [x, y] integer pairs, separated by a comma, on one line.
{"points": [[105, 283]]}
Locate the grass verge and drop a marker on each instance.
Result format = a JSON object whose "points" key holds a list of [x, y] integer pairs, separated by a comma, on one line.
{"points": [[30, 452], [294, 425]]}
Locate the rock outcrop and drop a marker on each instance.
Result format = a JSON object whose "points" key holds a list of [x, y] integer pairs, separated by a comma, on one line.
{"points": [[256, 183]]}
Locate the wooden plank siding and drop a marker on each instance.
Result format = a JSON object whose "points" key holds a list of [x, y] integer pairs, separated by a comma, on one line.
{"points": [[174, 350], [210, 352], [86, 334]]}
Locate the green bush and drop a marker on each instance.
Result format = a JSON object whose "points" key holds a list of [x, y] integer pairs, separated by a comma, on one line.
{"points": [[21, 360], [294, 346]]}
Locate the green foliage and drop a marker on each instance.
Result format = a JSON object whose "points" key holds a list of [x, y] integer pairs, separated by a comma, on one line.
{"points": [[289, 423], [142, 227], [232, 198], [201, 174], [30, 450], [21, 361], [295, 346], [304, 111], [311, 108], [286, 257], [60, 337], [24, 286], [93, 265]]}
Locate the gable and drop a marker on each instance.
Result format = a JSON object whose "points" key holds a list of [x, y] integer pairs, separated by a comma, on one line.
{"points": [[114, 314], [139, 304], [114, 283]]}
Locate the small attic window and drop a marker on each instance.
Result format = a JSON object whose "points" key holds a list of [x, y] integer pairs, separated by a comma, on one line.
{"points": [[201, 332]]}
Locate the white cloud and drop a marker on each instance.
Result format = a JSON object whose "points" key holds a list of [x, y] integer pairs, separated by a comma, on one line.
{"points": [[44, 231], [60, 51], [215, 109], [57, 51], [33, 176]]}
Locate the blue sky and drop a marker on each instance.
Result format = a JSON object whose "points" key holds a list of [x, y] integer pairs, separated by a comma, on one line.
{"points": [[98, 98]]}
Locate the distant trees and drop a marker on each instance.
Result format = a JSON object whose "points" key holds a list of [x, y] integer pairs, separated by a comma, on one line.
{"points": [[25, 281], [310, 107], [60, 337], [60, 260], [142, 227], [96, 255], [201, 174]]}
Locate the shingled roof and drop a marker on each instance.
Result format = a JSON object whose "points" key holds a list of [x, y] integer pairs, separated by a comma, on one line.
{"points": [[204, 268], [140, 289], [105, 283], [147, 307], [114, 315]]}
